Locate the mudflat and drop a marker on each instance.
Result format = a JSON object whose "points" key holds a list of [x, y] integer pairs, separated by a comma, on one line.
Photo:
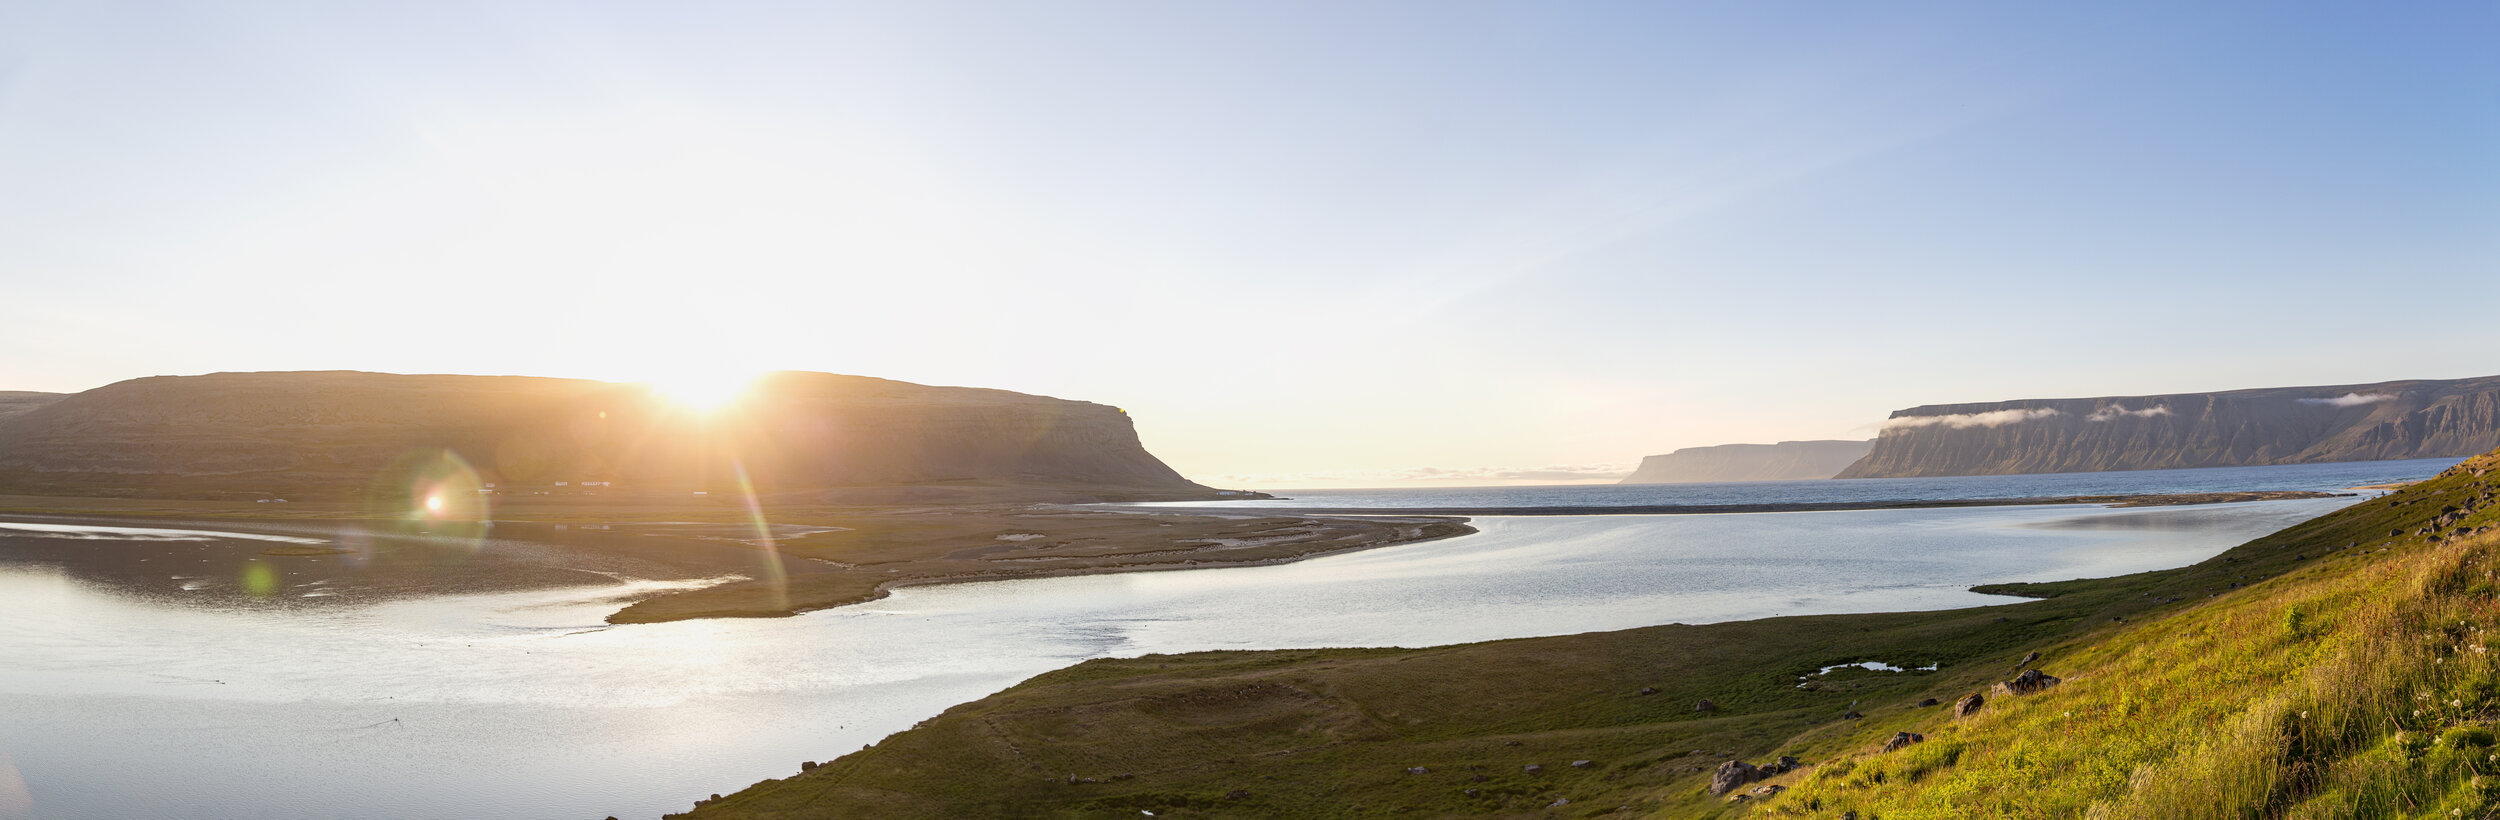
{"points": [[788, 558]]}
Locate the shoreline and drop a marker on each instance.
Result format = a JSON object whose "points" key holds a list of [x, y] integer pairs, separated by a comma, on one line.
{"points": [[2137, 500], [1647, 717], [1425, 529], [862, 554]]}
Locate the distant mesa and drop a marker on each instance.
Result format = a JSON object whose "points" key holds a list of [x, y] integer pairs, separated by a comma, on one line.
{"points": [[1785, 461], [316, 434], [2284, 425]]}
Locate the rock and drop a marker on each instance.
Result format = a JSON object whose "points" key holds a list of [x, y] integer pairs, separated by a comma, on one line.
{"points": [[807, 766], [2025, 663], [1559, 802], [1851, 715], [1927, 702], [1237, 794], [1783, 764], [1732, 774], [1902, 740], [1769, 789], [1472, 792], [1581, 764], [1417, 770], [1511, 743], [1532, 768], [2029, 682], [2263, 426], [1649, 690], [1705, 706], [1968, 705]]}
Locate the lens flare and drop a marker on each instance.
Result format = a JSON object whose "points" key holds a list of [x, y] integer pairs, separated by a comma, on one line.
{"points": [[432, 492], [259, 579], [771, 569]]}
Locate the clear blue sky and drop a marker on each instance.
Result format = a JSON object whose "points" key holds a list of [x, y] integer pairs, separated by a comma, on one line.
{"points": [[1301, 243]]}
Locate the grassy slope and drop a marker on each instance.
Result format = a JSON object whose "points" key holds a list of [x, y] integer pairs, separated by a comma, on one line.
{"points": [[2172, 692], [2361, 684]]}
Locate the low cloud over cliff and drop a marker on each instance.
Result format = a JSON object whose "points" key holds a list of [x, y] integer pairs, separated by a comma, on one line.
{"points": [[2352, 399], [2116, 411], [1958, 421]]}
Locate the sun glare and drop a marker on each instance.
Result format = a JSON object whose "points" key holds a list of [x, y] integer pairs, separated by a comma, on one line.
{"points": [[705, 391]]}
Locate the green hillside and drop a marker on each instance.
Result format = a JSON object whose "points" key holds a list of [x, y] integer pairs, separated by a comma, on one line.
{"points": [[2333, 669]]}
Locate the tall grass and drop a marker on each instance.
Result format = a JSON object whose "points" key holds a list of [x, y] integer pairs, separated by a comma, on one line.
{"points": [[2366, 687]]}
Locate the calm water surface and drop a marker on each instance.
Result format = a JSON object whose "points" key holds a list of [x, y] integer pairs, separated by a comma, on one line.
{"points": [[2326, 476], [495, 690]]}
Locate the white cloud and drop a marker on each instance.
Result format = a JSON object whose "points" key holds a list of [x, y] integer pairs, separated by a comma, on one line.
{"points": [[2352, 399], [1992, 418], [2119, 411]]}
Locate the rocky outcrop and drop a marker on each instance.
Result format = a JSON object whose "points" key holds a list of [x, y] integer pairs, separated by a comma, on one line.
{"points": [[2290, 425], [1785, 461], [2031, 681], [1732, 775], [1968, 705], [305, 433]]}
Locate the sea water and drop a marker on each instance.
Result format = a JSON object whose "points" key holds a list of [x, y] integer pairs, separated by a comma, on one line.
{"points": [[480, 698]]}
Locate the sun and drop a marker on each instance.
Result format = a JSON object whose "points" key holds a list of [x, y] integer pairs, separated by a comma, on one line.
{"points": [[705, 390]]}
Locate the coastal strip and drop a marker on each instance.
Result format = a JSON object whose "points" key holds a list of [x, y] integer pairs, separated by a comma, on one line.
{"points": [[2139, 500]]}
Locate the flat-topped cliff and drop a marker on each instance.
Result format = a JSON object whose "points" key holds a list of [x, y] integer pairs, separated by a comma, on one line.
{"points": [[334, 432], [2285, 425], [1785, 461]]}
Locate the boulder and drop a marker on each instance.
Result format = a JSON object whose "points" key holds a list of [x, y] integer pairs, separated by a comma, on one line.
{"points": [[1968, 705], [1582, 764], [1732, 774], [2029, 682], [1768, 790], [1927, 702], [1532, 768], [1902, 740], [1705, 706], [2025, 663]]}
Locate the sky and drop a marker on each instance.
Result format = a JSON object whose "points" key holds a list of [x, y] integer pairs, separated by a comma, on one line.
{"points": [[1303, 244]]}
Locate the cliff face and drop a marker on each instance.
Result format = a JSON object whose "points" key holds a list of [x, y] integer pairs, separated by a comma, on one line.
{"points": [[2358, 422], [1785, 461], [310, 433]]}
